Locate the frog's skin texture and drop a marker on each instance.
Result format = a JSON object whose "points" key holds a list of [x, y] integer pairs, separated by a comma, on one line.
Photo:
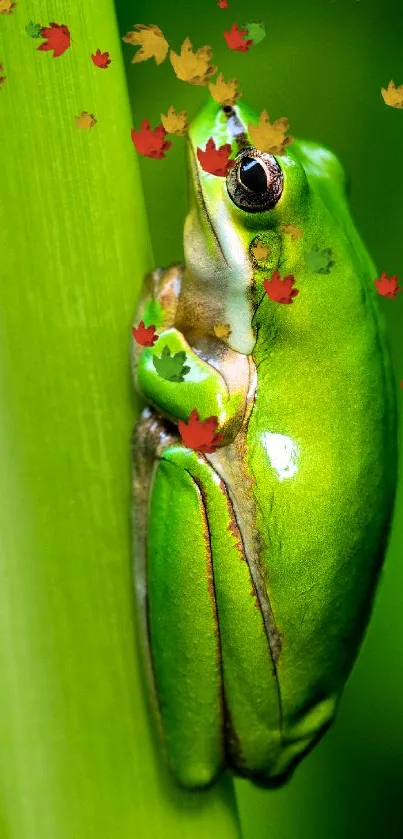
{"points": [[256, 565]]}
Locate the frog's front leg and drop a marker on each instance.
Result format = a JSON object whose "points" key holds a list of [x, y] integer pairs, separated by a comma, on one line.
{"points": [[218, 379]]}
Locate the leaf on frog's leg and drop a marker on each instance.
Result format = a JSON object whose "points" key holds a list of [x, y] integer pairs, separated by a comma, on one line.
{"points": [[101, 59], [387, 286], [215, 161], [280, 290], [33, 30], [57, 37], [319, 261], [255, 31], [293, 231], [393, 96], [85, 120], [222, 330], [193, 66], [270, 137], [7, 7], [151, 41], [151, 142], [236, 39], [175, 123], [3, 79], [171, 367], [225, 93], [144, 335], [200, 435]]}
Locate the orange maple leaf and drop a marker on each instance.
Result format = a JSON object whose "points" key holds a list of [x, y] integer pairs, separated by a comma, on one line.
{"points": [[260, 252], [294, 231], [144, 335], [200, 435], [387, 286], [222, 330], [175, 123], [235, 39], [58, 39], [2, 78], [151, 142], [151, 41], [193, 66], [85, 120], [215, 161], [7, 7], [225, 93], [393, 96], [281, 291], [270, 137], [101, 59]]}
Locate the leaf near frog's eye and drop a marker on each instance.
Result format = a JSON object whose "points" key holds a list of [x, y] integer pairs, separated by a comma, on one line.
{"points": [[255, 183]]}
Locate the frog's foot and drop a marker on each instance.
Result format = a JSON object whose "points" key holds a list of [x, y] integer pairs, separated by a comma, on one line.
{"points": [[215, 681]]}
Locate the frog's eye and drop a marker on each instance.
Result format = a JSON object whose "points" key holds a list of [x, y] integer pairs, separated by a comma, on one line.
{"points": [[255, 183]]}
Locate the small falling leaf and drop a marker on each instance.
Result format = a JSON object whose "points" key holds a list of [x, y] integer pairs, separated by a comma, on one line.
{"points": [[7, 7], [293, 231], [193, 66], [260, 252], [236, 40], [387, 286], [393, 96], [3, 79], [144, 335], [319, 261], [171, 367], [101, 59], [225, 93], [151, 41], [222, 4], [281, 291], [222, 330], [200, 435], [151, 142], [57, 39], [215, 161], [85, 120], [255, 31], [175, 123], [33, 30], [268, 137]]}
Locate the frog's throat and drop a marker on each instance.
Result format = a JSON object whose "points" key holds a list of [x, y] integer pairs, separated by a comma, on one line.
{"points": [[201, 202]]}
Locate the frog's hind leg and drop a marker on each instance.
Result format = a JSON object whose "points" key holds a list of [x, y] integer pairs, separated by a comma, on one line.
{"points": [[216, 685]]}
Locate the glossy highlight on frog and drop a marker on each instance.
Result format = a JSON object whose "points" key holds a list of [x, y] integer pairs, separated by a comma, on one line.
{"points": [[256, 563]]}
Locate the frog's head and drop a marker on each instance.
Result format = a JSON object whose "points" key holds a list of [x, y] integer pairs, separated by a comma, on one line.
{"points": [[229, 215]]}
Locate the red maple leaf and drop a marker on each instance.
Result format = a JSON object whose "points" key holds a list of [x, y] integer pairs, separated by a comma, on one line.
{"points": [[149, 142], [387, 286], [235, 39], [58, 39], [101, 59], [144, 335], [200, 435], [281, 291], [215, 160], [223, 4]]}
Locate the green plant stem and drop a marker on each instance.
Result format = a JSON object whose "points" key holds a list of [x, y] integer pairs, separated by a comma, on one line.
{"points": [[77, 758]]}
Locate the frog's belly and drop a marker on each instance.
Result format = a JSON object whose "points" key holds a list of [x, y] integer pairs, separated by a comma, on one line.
{"points": [[312, 485]]}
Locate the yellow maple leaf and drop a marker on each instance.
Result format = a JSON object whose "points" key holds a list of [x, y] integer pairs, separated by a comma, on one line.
{"points": [[193, 67], [151, 41], [393, 96], [222, 330], [6, 7], [225, 93], [294, 231], [175, 123], [2, 78], [260, 252], [270, 137], [85, 120]]}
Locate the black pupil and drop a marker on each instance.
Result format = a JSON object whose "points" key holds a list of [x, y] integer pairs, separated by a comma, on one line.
{"points": [[253, 175]]}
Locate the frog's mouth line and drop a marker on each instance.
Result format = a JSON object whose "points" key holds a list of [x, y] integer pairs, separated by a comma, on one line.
{"points": [[199, 191]]}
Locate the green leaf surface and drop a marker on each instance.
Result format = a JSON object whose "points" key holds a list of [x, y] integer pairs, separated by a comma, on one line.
{"points": [[77, 757]]}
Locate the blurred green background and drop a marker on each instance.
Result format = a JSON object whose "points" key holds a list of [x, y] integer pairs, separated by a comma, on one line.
{"points": [[322, 65]]}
